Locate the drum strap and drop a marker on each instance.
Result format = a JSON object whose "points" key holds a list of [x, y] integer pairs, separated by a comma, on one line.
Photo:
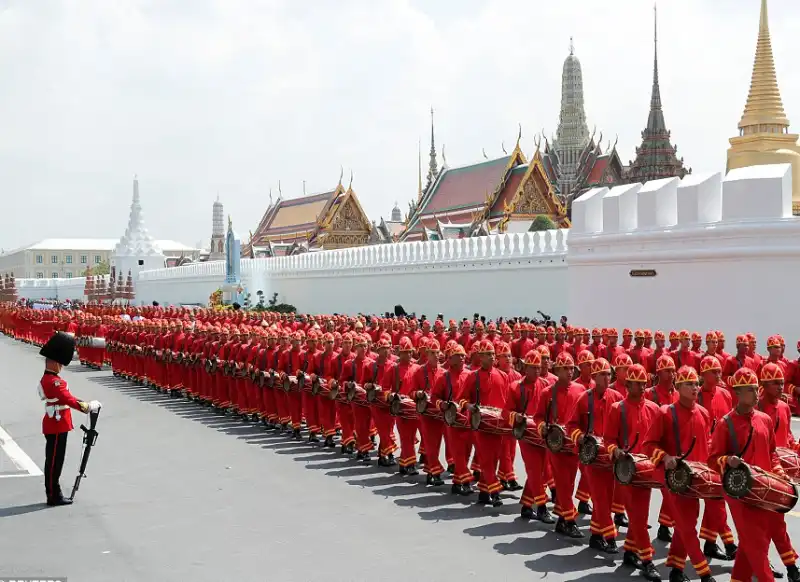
{"points": [[449, 381], [305, 361], [623, 410], [375, 372], [523, 397], [552, 410], [427, 382], [396, 378], [732, 434], [590, 423], [264, 360], [478, 387], [338, 366], [277, 358], [676, 430], [654, 392]]}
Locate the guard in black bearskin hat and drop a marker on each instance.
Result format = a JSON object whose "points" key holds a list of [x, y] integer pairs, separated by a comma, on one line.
{"points": [[57, 421]]}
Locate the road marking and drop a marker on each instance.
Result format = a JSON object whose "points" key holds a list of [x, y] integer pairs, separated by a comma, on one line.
{"points": [[20, 459], [794, 514]]}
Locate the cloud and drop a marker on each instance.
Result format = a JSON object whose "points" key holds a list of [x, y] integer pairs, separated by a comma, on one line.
{"points": [[231, 96]]}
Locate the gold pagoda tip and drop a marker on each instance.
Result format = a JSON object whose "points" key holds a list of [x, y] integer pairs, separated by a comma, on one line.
{"points": [[764, 111]]}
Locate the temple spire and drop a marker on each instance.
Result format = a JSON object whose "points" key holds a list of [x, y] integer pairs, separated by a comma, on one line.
{"points": [[655, 121], [419, 169], [764, 111], [433, 169]]}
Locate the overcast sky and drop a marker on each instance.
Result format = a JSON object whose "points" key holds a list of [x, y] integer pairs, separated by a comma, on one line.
{"points": [[200, 97]]}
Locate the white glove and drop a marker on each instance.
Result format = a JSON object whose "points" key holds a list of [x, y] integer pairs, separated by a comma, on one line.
{"points": [[94, 406]]}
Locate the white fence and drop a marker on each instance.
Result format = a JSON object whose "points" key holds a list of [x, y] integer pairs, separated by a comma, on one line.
{"points": [[56, 289]]}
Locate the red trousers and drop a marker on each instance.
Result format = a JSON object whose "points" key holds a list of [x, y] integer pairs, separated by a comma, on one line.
{"points": [[489, 448], [715, 522], [347, 422], [753, 526], [780, 537], [602, 487], [565, 468], [408, 441], [461, 445], [384, 422], [432, 432], [507, 455], [310, 409], [637, 500], [362, 416], [535, 461], [326, 412], [664, 515], [584, 486], [254, 404], [686, 511], [295, 403], [281, 406]]}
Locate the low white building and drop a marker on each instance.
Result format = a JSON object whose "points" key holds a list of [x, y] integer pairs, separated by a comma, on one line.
{"points": [[65, 258]]}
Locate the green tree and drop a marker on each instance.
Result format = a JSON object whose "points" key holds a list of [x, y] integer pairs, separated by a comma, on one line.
{"points": [[542, 222], [101, 269]]}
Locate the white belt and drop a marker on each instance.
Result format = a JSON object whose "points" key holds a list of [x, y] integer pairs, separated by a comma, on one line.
{"points": [[54, 410]]}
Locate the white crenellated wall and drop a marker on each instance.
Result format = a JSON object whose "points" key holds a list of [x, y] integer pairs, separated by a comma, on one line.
{"points": [[56, 289], [726, 254], [189, 284]]}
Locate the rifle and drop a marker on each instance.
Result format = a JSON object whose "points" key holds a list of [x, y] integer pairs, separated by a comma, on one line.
{"points": [[89, 440]]}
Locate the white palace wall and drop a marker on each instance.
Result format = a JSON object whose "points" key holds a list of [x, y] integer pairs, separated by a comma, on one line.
{"points": [[725, 252]]}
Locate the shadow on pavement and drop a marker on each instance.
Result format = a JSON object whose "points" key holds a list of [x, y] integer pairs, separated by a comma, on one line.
{"points": [[22, 509]]}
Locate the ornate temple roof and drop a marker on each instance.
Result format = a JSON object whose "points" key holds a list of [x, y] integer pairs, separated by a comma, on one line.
{"points": [[286, 220], [136, 242], [656, 158]]}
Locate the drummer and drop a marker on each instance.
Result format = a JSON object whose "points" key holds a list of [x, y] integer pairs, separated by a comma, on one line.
{"points": [[747, 436], [627, 420], [680, 431], [772, 381]]}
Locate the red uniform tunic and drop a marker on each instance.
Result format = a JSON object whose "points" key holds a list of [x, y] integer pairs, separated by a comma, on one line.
{"points": [[57, 402], [398, 379], [523, 398], [376, 373], [423, 379]]}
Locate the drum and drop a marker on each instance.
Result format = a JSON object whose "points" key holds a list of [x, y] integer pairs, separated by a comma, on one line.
{"points": [[790, 461], [453, 417], [489, 420], [636, 471], [695, 480], [402, 406], [356, 394], [424, 407], [287, 382], [759, 488], [325, 389], [593, 452], [557, 441], [97, 342], [524, 429]]}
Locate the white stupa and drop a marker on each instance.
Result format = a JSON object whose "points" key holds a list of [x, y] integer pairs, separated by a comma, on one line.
{"points": [[136, 251]]}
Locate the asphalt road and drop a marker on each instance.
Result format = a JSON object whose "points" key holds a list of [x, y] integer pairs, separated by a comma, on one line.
{"points": [[177, 493]]}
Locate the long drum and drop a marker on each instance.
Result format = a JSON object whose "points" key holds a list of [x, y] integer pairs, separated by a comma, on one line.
{"points": [[425, 408], [356, 394], [524, 429], [593, 452], [377, 397], [790, 461], [557, 441], [755, 486], [636, 471], [325, 388], [489, 420], [97, 342], [453, 417], [402, 406], [695, 480]]}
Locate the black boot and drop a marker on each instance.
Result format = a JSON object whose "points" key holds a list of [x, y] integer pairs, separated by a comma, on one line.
{"points": [[466, 490], [513, 485], [476, 475], [730, 551], [390, 460], [526, 512], [553, 495], [708, 578], [584, 508], [620, 520], [793, 573], [630, 558], [649, 571], [412, 470], [484, 498], [596, 542], [313, 438], [568, 528], [611, 547], [329, 444], [677, 575], [434, 480], [59, 500], [711, 550], [296, 435], [543, 515], [504, 484], [451, 468], [342, 450], [403, 471], [372, 438], [455, 489], [422, 459], [351, 448], [664, 534], [496, 501]]}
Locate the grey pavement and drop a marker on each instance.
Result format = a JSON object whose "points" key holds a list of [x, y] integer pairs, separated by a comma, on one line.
{"points": [[177, 493]]}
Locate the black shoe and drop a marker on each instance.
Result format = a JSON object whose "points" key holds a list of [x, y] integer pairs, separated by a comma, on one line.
{"points": [[476, 475], [504, 484], [484, 498], [329, 442], [553, 495], [58, 501], [296, 435], [412, 470], [372, 438], [793, 573], [526, 512], [584, 508], [451, 468], [386, 461], [620, 520], [775, 573], [708, 578], [730, 551], [649, 572], [630, 558], [455, 489], [569, 529], [313, 438], [422, 459], [597, 542], [677, 575], [543, 515], [434, 480], [611, 547], [403, 471], [496, 501], [390, 460], [351, 448], [466, 490], [664, 534], [711, 550], [513, 485], [342, 450]]}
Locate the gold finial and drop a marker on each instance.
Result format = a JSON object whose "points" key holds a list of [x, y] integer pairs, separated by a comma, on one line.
{"points": [[483, 151], [503, 147], [230, 222], [419, 167], [764, 109], [444, 157], [571, 46], [350, 185], [280, 192], [519, 136]]}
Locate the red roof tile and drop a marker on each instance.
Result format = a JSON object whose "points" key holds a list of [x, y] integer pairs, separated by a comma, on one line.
{"points": [[466, 186], [508, 191]]}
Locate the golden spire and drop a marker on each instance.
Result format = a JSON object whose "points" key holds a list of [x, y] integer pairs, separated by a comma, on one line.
{"points": [[419, 167], [764, 112]]}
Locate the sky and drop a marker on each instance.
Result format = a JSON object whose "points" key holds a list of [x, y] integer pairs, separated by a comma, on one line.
{"points": [[228, 97]]}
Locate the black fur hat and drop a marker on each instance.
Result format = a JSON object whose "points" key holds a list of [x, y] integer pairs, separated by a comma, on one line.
{"points": [[60, 348]]}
